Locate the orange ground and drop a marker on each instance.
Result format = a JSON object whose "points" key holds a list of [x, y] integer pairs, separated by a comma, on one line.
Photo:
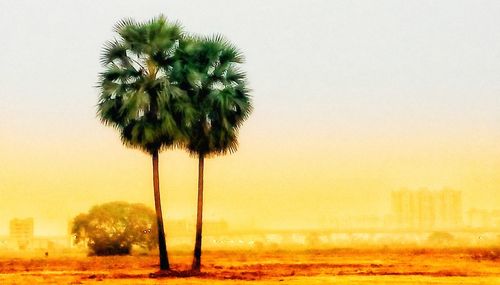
{"points": [[339, 266]]}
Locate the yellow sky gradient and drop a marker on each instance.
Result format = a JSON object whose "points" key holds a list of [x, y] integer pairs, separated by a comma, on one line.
{"points": [[269, 183]]}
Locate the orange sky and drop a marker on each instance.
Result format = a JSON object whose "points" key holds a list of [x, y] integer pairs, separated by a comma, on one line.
{"points": [[268, 183]]}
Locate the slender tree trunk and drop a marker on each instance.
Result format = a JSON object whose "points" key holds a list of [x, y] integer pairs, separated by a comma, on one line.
{"points": [[162, 245], [199, 217]]}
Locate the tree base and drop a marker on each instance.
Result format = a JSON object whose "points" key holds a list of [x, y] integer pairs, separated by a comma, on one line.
{"points": [[174, 273]]}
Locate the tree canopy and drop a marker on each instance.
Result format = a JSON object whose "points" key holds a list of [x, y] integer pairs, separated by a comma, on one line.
{"points": [[113, 228], [207, 68], [136, 95]]}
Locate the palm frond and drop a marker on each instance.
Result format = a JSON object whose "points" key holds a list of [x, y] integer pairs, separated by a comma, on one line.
{"points": [[124, 24]]}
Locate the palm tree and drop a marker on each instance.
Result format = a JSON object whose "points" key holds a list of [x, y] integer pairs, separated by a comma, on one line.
{"points": [[207, 68], [137, 98]]}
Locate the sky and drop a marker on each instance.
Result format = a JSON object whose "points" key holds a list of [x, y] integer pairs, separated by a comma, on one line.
{"points": [[353, 100]]}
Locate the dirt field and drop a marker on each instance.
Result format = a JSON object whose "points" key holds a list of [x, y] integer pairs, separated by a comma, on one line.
{"points": [[339, 266]]}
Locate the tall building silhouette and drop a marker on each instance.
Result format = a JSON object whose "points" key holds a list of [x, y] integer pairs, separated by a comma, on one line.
{"points": [[427, 210], [21, 232]]}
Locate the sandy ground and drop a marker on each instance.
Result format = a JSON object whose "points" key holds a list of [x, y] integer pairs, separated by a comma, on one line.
{"points": [[340, 266]]}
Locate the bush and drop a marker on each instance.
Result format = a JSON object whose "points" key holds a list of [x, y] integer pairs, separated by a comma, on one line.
{"points": [[113, 228], [440, 238]]}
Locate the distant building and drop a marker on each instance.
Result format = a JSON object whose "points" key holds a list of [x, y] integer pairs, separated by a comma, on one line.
{"points": [[21, 232], [427, 210]]}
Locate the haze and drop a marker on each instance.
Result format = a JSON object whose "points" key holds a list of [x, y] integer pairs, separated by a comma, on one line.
{"points": [[353, 100]]}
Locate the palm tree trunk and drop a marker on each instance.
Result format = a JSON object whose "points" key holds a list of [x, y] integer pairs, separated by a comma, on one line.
{"points": [[162, 245], [199, 217]]}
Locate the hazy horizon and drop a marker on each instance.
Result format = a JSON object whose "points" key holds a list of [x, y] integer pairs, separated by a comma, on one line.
{"points": [[353, 100]]}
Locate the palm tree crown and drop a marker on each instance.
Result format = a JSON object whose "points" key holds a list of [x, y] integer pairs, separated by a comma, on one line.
{"points": [[136, 95], [207, 68]]}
